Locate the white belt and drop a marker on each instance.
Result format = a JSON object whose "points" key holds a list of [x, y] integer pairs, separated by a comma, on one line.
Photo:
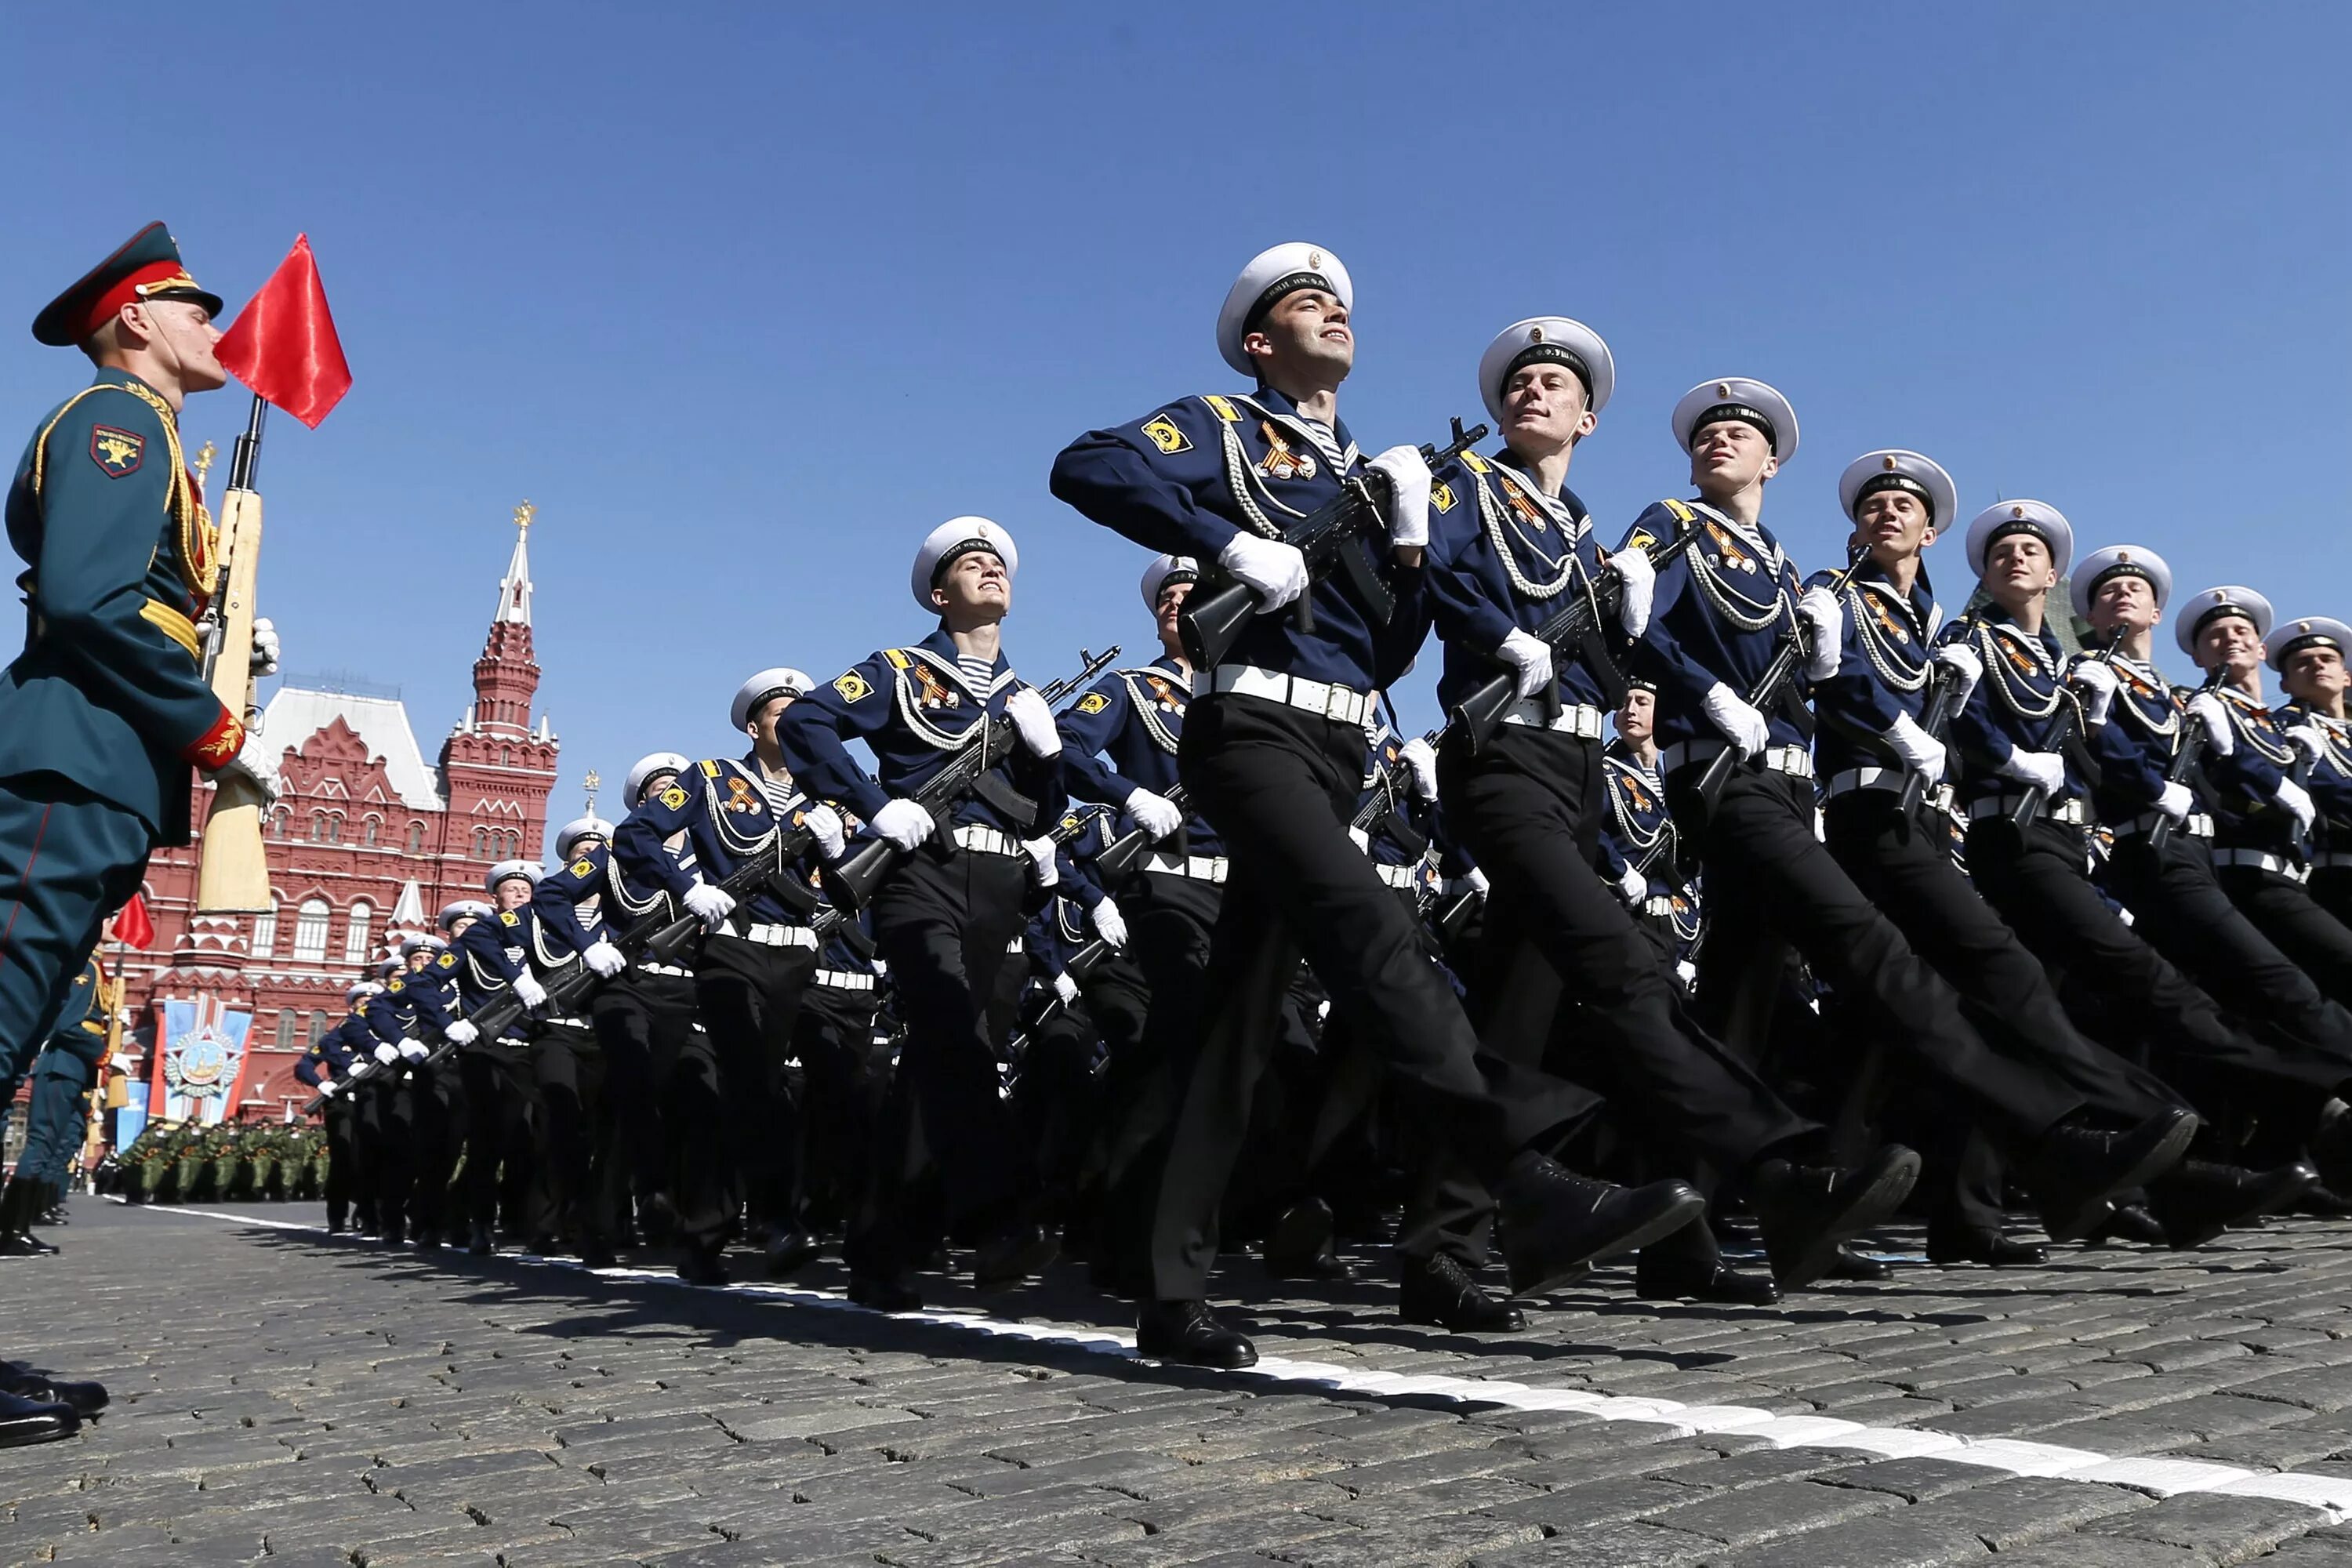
{"points": [[1326, 699], [2197, 824], [845, 980], [2333, 859], [1406, 876], [1853, 779], [1580, 719], [986, 840], [570, 1022], [1200, 867], [1014, 946], [670, 969], [1794, 761], [2073, 813], [2261, 860], [768, 935], [1659, 904]]}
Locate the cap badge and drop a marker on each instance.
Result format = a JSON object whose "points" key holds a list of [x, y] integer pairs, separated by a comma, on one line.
{"points": [[1723, 389], [2018, 512], [1535, 334], [1890, 464], [1314, 258]]}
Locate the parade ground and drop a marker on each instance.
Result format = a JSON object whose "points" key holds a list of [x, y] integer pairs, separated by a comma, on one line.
{"points": [[286, 1397]]}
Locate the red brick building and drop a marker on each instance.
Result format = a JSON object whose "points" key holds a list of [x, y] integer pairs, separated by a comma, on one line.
{"points": [[366, 844]]}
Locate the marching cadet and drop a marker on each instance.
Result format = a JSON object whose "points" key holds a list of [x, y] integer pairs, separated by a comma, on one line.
{"points": [[756, 962], [1722, 609], [419, 1116], [505, 1105], [1638, 829], [2308, 654], [330, 1067], [1273, 758], [62, 1075], [942, 918], [844, 1074]]}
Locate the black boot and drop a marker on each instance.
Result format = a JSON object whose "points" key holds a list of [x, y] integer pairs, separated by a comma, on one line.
{"points": [[2075, 1171], [1806, 1211], [479, 1242], [883, 1292], [17, 1210], [24, 1421], [703, 1265], [1985, 1244], [1299, 1245], [789, 1251], [85, 1399], [1019, 1252], [1188, 1334], [1850, 1264], [2197, 1200], [1669, 1279], [2127, 1221], [1439, 1291], [1555, 1223]]}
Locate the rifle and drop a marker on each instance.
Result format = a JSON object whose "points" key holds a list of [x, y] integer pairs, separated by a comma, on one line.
{"points": [[1481, 713], [232, 866], [972, 770], [1119, 855], [2184, 760], [2070, 722], [1934, 719], [1767, 687], [1213, 616]]}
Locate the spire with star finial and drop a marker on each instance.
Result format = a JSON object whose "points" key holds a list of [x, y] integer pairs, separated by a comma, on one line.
{"points": [[514, 589], [507, 676]]}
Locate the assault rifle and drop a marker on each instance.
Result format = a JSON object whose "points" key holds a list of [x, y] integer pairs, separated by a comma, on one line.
{"points": [[1768, 686], [2185, 759], [2069, 725], [1118, 858], [1935, 719], [969, 771], [1216, 611]]}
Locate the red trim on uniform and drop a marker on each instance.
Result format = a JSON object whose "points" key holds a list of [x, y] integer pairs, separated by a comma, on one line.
{"points": [[126, 292], [25, 881], [218, 744]]}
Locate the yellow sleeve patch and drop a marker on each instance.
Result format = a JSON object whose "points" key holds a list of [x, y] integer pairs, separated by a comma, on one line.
{"points": [[448, 960], [509, 918], [673, 797], [1222, 409], [1442, 498], [1640, 539], [583, 868], [397, 985], [1166, 436], [853, 686], [1093, 702]]}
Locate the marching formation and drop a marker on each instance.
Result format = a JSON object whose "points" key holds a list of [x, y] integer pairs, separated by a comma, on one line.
{"points": [[1728, 902]]}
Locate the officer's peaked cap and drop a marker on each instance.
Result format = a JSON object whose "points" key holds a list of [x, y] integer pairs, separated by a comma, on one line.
{"points": [[578, 828], [529, 871], [2290, 637], [459, 910], [147, 267]]}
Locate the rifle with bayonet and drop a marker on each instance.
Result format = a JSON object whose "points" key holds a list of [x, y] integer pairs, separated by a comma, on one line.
{"points": [[1327, 537]]}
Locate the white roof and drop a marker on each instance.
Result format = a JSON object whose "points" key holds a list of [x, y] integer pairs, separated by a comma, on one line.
{"points": [[295, 715]]}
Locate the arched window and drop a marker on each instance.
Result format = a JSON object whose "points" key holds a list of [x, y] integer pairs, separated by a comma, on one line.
{"points": [[374, 826], [334, 827], [318, 827], [310, 932], [415, 836], [265, 930], [355, 941], [278, 824], [481, 843], [317, 1028], [288, 1021], [506, 756]]}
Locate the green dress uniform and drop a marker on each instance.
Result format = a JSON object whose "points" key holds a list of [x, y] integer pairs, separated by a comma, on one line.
{"points": [[106, 711], [62, 1077]]}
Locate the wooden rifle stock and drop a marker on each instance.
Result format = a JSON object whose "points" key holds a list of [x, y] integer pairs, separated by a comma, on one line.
{"points": [[232, 866]]}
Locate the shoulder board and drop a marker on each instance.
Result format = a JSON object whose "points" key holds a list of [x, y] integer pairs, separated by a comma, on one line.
{"points": [[1683, 514], [1473, 462], [899, 657], [1221, 408], [509, 918], [709, 769]]}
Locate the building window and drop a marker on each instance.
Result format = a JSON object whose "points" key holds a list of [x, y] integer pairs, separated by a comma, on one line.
{"points": [[278, 825], [288, 1021], [318, 827], [264, 932], [310, 932], [334, 827], [506, 756], [317, 1028], [374, 826], [355, 941], [415, 836]]}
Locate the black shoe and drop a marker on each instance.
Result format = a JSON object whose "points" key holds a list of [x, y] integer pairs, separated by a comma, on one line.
{"points": [[2127, 1221], [1806, 1212], [1189, 1335], [1718, 1282], [394, 1233], [789, 1251], [337, 1227], [2075, 1171], [1439, 1291], [26, 1421], [1299, 1245], [597, 1255], [1555, 1223], [2197, 1200], [479, 1242], [84, 1399], [24, 1244], [656, 1218], [2319, 1203], [703, 1266], [2331, 1146], [1018, 1253], [884, 1293], [1985, 1244]]}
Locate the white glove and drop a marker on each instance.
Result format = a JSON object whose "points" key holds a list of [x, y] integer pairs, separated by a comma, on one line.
{"points": [[265, 648], [360, 1069], [1109, 924], [386, 1054], [1030, 716], [1687, 972], [2044, 770], [1921, 752], [602, 959], [2314, 743], [1741, 725], [2207, 709], [415, 1050], [1359, 838], [2098, 680], [709, 904], [1065, 988], [2175, 800], [328, 1091], [2297, 801], [1421, 757], [1155, 814], [1634, 887], [1819, 610], [832, 837], [1274, 572], [1531, 657], [1967, 670], [1476, 880], [1408, 476], [1633, 569], [529, 992], [461, 1033], [248, 770], [904, 822], [1041, 868]]}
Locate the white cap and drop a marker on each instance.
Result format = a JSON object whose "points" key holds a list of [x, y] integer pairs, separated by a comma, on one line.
{"points": [[389, 965], [462, 908], [1272, 273], [2211, 605], [1737, 397], [1156, 576], [361, 992], [779, 681], [580, 828], [1554, 338], [2310, 631], [654, 763], [1892, 468], [2119, 561], [529, 871], [2038, 518], [422, 944], [959, 536]]}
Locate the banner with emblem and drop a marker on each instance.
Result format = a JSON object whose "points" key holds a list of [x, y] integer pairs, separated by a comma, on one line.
{"points": [[199, 1061]]}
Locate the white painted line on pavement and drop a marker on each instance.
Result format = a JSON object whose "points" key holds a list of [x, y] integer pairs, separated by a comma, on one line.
{"points": [[2158, 1476]]}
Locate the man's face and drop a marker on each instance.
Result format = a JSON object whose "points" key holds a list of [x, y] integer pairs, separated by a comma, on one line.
{"points": [[1730, 455], [180, 333], [1636, 718], [2315, 675], [588, 841], [417, 961], [458, 927], [976, 585], [1170, 605], [513, 893], [1543, 406], [1893, 525], [1305, 332], [2229, 641], [2018, 566], [2123, 605], [762, 725]]}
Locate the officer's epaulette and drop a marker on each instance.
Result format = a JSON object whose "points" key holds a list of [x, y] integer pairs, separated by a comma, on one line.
{"points": [[1683, 514], [899, 657], [1221, 408], [1473, 462], [709, 768]]}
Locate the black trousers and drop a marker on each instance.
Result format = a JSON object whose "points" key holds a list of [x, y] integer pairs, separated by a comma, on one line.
{"points": [[2298, 925], [661, 1083], [1281, 786], [749, 993], [942, 924], [568, 1073], [342, 1117], [1530, 807], [499, 1101], [2332, 886], [844, 1079], [1771, 884]]}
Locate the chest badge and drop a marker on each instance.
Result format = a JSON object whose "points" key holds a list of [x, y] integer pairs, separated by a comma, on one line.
{"points": [[739, 796], [1281, 460], [935, 693]]}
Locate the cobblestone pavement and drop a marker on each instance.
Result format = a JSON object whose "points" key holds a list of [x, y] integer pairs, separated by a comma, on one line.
{"points": [[283, 1398]]}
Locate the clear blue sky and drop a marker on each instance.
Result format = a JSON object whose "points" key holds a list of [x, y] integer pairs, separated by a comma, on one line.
{"points": [[749, 298]]}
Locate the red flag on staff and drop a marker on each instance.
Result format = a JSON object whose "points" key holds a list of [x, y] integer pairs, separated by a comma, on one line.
{"points": [[131, 926], [284, 344]]}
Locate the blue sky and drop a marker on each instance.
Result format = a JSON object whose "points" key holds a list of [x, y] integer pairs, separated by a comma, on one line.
{"points": [[747, 300]]}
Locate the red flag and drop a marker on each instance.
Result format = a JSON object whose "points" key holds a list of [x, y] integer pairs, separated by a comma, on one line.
{"points": [[131, 926], [284, 344]]}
